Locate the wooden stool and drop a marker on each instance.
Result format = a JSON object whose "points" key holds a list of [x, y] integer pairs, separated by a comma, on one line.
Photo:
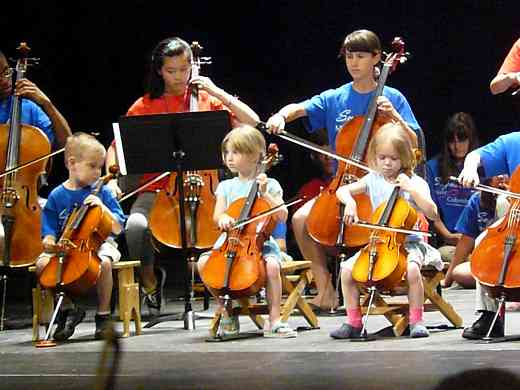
{"points": [[293, 286], [129, 308], [397, 312], [128, 299]]}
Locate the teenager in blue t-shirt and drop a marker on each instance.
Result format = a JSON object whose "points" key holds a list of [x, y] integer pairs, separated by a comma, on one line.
{"points": [[459, 138], [332, 109], [500, 157], [37, 110]]}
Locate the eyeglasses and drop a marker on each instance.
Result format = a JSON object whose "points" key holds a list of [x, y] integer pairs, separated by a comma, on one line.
{"points": [[7, 73]]}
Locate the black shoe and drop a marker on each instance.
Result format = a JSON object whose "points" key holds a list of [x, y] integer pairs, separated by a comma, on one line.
{"points": [[346, 331], [481, 326], [154, 300], [67, 322], [103, 326]]}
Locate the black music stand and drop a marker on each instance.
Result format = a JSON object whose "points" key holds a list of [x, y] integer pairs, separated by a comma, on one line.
{"points": [[172, 142]]}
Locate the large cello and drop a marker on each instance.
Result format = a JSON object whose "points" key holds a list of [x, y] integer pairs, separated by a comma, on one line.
{"points": [[19, 208], [199, 195], [351, 141], [236, 268], [495, 261]]}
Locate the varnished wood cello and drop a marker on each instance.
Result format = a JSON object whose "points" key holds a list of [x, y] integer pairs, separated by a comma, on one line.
{"points": [[199, 194], [325, 223], [19, 208]]}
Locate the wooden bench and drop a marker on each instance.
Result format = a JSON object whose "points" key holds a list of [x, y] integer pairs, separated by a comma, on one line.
{"points": [[397, 311], [128, 299], [296, 275]]}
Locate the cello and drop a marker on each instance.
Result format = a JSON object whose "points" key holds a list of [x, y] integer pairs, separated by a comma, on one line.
{"points": [[76, 267], [199, 194], [236, 268], [352, 140], [501, 278], [19, 208]]}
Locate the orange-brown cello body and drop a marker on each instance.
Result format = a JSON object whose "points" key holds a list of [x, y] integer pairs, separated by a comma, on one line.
{"points": [[199, 195], [84, 232], [20, 212], [247, 274], [495, 261], [386, 247], [327, 206], [24, 243]]}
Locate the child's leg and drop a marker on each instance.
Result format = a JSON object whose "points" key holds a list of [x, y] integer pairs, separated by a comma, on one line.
{"points": [[220, 302], [273, 288], [104, 286], [351, 295], [415, 291], [315, 252], [416, 300], [352, 327]]}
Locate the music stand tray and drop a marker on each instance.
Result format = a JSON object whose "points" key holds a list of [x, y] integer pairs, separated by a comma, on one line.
{"points": [[178, 142]]}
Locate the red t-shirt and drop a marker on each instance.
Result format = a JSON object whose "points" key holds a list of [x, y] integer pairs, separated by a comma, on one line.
{"points": [[512, 61], [167, 104], [310, 189]]}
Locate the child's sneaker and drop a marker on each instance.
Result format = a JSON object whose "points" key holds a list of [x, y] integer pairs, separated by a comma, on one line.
{"points": [[346, 331], [280, 330], [418, 330], [67, 322]]}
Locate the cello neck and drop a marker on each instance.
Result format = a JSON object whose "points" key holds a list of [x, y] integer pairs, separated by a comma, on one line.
{"points": [[13, 149]]}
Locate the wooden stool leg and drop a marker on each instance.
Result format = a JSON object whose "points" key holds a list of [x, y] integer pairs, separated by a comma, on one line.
{"points": [[430, 292], [295, 299], [129, 301], [36, 313]]}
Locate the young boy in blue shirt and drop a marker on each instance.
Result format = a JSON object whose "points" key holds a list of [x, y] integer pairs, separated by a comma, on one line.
{"points": [[84, 159]]}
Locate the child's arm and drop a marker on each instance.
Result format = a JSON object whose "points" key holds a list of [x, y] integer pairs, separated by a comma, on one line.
{"points": [[293, 111], [273, 200], [420, 193], [223, 220], [49, 244], [345, 195], [93, 200]]}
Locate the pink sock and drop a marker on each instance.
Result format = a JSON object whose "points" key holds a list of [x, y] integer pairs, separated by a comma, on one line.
{"points": [[416, 315], [354, 317]]}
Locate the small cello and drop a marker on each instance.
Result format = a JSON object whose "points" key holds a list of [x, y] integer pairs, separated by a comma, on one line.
{"points": [[19, 208], [199, 194], [382, 262], [325, 223], [76, 267], [236, 268]]}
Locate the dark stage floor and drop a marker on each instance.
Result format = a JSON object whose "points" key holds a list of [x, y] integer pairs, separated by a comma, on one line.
{"points": [[169, 357]]}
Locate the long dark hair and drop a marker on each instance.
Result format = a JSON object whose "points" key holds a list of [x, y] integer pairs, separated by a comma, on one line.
{"points": [[462, 126], [169, 47]]}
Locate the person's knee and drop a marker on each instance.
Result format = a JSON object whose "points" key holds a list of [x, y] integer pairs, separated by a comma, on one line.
{"points": [[272, 267], [106, 266], [136, 222], [413, 273]]}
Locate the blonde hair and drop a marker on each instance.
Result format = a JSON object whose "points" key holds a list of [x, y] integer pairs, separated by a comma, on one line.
{"points": [[395, 135], [81, 144], [246, 140]]}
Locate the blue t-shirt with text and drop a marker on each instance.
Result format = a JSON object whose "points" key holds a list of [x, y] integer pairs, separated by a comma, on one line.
{"points": [[450, 197], [62, 201], [333, 108], [474, 219]]}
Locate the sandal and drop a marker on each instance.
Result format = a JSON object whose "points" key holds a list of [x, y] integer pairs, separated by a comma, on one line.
{"points": [[280, 330]]}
